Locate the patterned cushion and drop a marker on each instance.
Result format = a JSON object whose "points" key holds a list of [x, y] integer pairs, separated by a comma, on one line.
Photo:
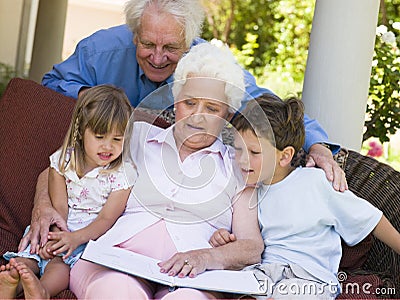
{"points": [[33, 122], [354, 257]]}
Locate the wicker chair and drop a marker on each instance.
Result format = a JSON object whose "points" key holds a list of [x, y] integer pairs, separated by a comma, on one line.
{"points": [[379, 184]]}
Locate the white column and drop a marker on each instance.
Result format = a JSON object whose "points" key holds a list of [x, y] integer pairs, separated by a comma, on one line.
{"points": [[49, 35], [338, 68], [23, 37]]}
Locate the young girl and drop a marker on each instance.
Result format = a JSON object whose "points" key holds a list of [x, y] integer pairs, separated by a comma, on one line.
{"points": [[87, 186]]}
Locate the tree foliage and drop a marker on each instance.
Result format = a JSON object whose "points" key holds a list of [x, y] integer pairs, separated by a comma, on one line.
{"points": [[266, 36], [6, 73], [270, 39], [383, 108]]}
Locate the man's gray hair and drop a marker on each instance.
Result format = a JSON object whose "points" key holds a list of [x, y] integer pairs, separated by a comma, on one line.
{"points": [[189, 13]]}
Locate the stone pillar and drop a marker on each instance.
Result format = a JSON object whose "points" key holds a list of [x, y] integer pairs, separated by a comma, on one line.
{"points": [[49, 36], [338, 68]]}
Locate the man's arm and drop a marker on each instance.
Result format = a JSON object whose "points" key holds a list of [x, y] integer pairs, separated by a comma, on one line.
{"points": [[71, 75], [43, 215], [246, 250], [57, 190]]}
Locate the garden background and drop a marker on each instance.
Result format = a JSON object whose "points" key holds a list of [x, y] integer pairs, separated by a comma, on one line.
{"points": [[270, 38]]}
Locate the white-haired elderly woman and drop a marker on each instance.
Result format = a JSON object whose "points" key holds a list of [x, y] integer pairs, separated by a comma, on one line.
{"points": [[186, 188]]}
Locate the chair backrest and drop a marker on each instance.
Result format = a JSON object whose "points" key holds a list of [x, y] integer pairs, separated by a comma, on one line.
{"points": [[379, 184], [33, 122]]}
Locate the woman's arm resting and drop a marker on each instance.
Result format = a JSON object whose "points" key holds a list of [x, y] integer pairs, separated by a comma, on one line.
{"points": [[246, 250], [43, 215]]}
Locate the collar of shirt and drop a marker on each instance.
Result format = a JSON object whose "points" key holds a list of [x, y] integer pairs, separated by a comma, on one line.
{"points": [[70, 174], [144, 78], [167, 136]]}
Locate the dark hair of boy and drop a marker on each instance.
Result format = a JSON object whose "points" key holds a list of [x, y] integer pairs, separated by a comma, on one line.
{"points": [[280, 122]]}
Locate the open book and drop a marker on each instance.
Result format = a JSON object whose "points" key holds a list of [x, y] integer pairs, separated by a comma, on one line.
{"points": [[242, 282]]}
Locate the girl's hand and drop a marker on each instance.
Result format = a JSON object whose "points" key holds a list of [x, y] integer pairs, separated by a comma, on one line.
{"points": [[221, 237], [64, 241], [44, 251]]}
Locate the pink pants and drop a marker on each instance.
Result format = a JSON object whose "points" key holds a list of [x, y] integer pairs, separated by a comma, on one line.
{"points": [[92, 281]]}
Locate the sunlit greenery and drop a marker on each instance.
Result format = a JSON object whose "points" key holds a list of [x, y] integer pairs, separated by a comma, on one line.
{"points": [[383, 110], [271, 38], [6, 73]]}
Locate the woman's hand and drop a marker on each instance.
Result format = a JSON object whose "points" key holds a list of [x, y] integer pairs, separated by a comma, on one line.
{"points": [[221, 237], [183, 264], [321, 157]]}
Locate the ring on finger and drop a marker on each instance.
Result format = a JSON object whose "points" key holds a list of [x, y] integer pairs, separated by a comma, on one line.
{"points": [[186, 263]]}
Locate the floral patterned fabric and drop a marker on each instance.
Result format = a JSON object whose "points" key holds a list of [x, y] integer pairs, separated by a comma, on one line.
{"points": [[87, 195]]}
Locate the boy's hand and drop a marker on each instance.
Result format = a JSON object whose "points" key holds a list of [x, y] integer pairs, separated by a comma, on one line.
{"points": [[221, 237]]}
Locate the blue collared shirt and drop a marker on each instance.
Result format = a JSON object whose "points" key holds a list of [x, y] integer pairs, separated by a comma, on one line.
{"points": [[109, 57]]}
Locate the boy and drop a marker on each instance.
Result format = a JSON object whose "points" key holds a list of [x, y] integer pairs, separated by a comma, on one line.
{"points": [[301, 216]]}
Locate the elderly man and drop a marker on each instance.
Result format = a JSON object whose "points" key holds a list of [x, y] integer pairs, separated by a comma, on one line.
{"points": [[140, 57]]}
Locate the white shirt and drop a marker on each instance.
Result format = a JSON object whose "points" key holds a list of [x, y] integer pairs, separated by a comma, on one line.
{"points": [[87, 195], [302, 219], [194, 197]]}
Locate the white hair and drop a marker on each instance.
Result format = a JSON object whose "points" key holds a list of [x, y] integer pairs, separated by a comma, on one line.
{"points": [[189, 13], [206, 60]]}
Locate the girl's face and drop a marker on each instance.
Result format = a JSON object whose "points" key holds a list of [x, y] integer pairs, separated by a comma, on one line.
{"points": [[255, 156], [101, 149], [201, 112]]}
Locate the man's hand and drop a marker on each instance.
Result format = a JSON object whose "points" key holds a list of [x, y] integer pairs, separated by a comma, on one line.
{"points": [[321, 157], [221, 237], [42, 217]]}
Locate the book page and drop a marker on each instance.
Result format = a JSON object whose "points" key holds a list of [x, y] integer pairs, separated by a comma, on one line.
{"points": [[242, 282], [127, 262]]}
